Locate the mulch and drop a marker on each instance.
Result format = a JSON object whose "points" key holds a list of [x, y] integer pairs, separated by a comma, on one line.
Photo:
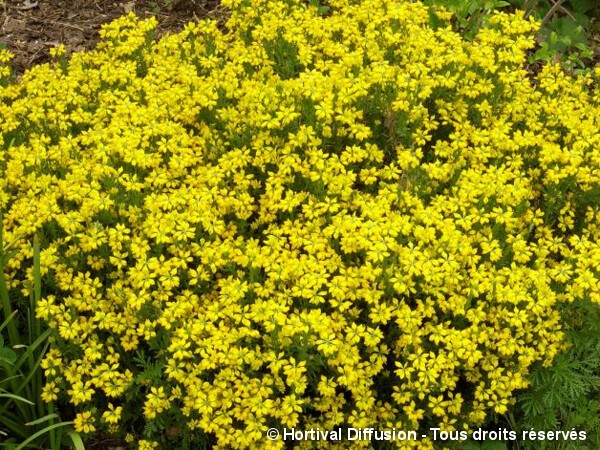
{"points": [[30, 28]]}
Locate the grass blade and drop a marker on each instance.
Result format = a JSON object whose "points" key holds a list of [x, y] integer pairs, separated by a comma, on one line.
{"points": [[42, 339], [17, 398], [14, 425], [13, 333], [8, 319], [77, 442], [46, 418], [37, 287], [43, 431]]}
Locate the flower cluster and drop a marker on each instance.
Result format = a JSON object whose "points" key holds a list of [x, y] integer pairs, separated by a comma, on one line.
{"points": [[357, 219]]}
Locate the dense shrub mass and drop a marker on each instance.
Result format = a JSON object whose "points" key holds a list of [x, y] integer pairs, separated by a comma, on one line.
{"points": [[356, 219]]}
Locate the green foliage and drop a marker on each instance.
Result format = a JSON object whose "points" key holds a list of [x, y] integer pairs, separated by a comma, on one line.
{"points": [[469, 15], [321, 5], [24, 417], [566, 395], [562, 396], [567, 28], [485, 445], [159, 5], [565, 35]]}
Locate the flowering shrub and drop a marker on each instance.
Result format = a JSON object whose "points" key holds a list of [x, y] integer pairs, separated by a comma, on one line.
{"points": [[304, 221]]}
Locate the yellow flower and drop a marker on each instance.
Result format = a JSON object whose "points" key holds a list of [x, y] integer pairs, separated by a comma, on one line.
{"points": [[253, 223], [156, 402], [112, 415], [147, 445], [81, 392], [50, 392], [84, 422]]}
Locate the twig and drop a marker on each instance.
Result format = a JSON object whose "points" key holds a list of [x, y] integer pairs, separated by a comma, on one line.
{"points": [[65, 24], [35, 55], [557, 4], [56, 22], [27, 5]]}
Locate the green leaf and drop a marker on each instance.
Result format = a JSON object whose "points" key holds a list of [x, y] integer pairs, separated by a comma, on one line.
{"points": [[13, 423], [13, 333], [43, 431], [566, 27], [46, 418], [37, 284], [16, 397], [492, 4], [77, 442], [7, 355], [9, 378], [583, 6], [581, 46], [485, 445], [42, 339], [543, 53], [566, 40], [474, 6], [493, 445], [5, 323]]}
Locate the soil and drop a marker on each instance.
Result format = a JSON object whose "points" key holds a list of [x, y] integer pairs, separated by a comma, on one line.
{"points": [[30, 28]]}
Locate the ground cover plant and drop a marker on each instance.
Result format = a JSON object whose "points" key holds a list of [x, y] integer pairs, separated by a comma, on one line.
{"points": [[565, 395], [356, 218], [568, 29], [25, 417]]}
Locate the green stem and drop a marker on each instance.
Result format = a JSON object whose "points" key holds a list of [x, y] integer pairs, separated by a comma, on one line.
{"points": [[13, 333]]}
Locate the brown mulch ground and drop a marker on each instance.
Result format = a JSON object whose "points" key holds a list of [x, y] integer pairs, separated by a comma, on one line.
{"points": [[30, 28]]}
